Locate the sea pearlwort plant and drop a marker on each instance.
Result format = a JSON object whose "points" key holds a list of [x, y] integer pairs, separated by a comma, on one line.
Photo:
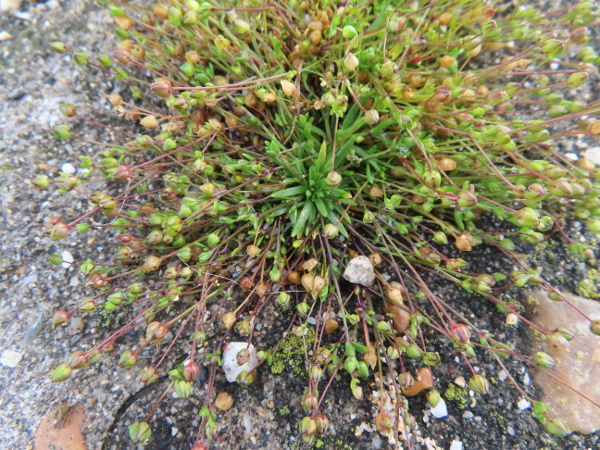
{"points": [[329, 158]]}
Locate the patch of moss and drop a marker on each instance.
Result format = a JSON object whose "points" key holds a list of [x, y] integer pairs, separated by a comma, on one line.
{"points": [[290, 355], [284, 411], [590, 286], [458, 395]]}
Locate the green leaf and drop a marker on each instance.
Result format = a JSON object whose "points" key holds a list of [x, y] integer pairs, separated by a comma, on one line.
{"points": [[321, 207], [321, 159], [307, 211], [290, 192]]}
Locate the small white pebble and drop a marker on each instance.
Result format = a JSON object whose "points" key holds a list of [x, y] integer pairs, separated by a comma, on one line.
{"points": [[523, 404], [468, 415], [67, 259], [502, 375], [456, 445], [10, 358], [440, 410], [526, 379], [460, 381], [510, 431], [174, 431], [68, 168]]}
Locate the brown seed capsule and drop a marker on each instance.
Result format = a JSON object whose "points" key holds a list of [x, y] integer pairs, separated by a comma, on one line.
{"points": [[228, 319], [252, 250], [155, 332], [293, 277], [444, 18], [149, 122], [401, 320], [447, 164], [375, 192], [424, 380], [446, 61], [310, 264], [115, 99], [152, 263], [224, 401], [261, 289], [331, 325], [384, 423], [375, 259], [161, 11], [123, 22], [370, 357], [464, 242]]}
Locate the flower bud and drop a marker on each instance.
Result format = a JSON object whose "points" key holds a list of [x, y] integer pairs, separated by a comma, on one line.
{"points": [[577, 79], [121, 173], [557, 427], [96, 281], [190, 18], [61, 373], [309, 402], [308, 426], [58, 47], [433, 398], [62, 131], [208, 189], [69, 183], [128, 360], [544, 360], [147, 375], [80, 58], [413, 351], [356, 389], [182, 388], [460, 332], [87, 306], [349, 32], [595, 327], [155, 332], [333, 179], [288, 88], [479, 384], [526, 217], [593, 225], [330, 231], [351, 62], [140, 432], [41, 181], [163, 88], [123, 56], [246, 378], [372, 117], [67, 109], [552, 46], [78, 360], [61, 318], [577, 36], [191, 371], [406, 380]]}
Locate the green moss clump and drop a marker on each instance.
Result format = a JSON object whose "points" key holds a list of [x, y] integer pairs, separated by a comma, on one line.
{"points": [[290, 355], [589, 287], [457, 395]]}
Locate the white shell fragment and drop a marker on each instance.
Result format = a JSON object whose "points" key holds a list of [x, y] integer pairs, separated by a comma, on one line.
{"points": [[440, 410], [230, 365], [360, 271]]}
